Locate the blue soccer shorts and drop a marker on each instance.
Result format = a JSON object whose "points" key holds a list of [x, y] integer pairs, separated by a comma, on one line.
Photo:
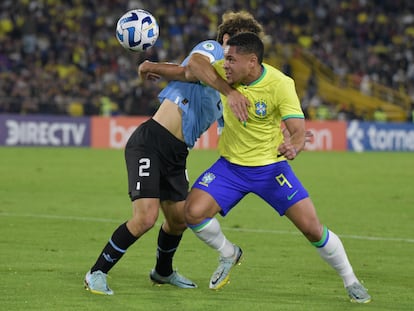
{"points": [[275, 183]]}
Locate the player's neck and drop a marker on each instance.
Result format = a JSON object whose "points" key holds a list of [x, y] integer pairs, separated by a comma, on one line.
{"points": [[254, 75]]}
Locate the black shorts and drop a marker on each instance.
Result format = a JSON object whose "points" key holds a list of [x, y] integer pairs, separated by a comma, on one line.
{"points": [[156, 164]]}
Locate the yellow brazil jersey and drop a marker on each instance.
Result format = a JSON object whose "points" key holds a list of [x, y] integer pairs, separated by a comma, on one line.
{"points": [[273, 98]]}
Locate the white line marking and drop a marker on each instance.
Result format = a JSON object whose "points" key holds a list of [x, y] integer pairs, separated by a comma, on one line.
{"points": [[348, 236], [281, 232]]}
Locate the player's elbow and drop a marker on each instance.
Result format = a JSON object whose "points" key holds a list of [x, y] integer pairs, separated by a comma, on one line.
{"points": [[189, 76], [190, 69]]}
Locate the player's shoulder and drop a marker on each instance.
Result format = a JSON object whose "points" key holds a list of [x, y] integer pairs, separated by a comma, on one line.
{"points": [[210, 48], [275, 75], [208, 45], [274, 71]]}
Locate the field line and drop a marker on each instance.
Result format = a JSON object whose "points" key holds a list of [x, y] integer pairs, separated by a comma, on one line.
{"points": [[348, 236], [279, 232]]}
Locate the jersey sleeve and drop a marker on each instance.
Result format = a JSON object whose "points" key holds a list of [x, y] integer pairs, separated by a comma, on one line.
{"points": [[289, 102], [210, 48], [218, 66]]}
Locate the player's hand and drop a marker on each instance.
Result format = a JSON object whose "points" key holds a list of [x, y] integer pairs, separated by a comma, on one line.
{"points": [[152, 76], [238, 104], [144, 72], [286, 136], [288, 150], [308, 136]]}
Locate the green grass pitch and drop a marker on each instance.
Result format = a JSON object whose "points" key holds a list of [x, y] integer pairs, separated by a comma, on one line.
{"points": [[58, 207]]}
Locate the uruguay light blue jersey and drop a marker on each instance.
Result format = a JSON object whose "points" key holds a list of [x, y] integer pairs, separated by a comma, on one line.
{"points": [[200, 104]]}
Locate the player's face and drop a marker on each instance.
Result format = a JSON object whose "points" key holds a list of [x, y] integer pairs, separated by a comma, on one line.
{"points": [[237, 66]]}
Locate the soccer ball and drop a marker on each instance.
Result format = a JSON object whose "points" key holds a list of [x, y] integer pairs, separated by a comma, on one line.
{"points": [[137, 30]]}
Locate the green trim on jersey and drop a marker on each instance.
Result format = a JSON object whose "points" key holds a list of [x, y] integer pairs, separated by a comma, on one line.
{"points": [[292, 116], [259, 79]]}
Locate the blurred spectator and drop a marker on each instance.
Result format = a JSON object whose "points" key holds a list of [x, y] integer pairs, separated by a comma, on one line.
{"points": [[379, 115], [365, 85], [312, 84], [343, 113], [411, 113], [322, 112], [286, 68]]}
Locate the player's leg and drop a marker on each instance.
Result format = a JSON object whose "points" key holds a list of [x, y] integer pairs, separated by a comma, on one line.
{"points": [[200, 211], [328, 245], [169, 238], [200, 218], [170, 235], [143, 180], [285, 193], [145, 213], [214, 192], [173, 186], [290, 198]]}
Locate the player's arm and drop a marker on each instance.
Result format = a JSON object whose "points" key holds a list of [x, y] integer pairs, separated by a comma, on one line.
{"points": [[297, 138], [153, 71], [308, 135], [199, 68]]}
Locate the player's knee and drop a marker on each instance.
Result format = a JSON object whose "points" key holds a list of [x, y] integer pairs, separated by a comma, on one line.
{"points": [[141, 225], [199, 206], [193, 214], [190, 216], [196, 213], [312, 231]]}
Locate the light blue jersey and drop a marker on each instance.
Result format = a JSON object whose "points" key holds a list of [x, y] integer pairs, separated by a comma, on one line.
{"points": [[200, 104]]}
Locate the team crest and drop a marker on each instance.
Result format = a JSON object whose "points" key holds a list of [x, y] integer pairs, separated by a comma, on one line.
{"points": [[208, 46], [207, 178], [261, 109]]}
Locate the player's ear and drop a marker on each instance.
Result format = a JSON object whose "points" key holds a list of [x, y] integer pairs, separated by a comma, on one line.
{"points": [[253, 60], [226, 37]]}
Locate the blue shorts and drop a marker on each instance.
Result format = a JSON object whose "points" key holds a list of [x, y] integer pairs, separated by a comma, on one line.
{"points": [[275, 183]]}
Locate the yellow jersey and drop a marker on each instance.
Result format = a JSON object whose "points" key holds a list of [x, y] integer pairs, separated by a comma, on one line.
{"points": [[273, 99]]}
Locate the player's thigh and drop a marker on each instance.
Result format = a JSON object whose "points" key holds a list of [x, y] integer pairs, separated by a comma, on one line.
{"points": [[278, 185], [218, 189], [143, 170]]}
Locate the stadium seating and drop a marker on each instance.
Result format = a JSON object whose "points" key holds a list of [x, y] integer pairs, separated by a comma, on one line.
{"points": [[50, 60]]}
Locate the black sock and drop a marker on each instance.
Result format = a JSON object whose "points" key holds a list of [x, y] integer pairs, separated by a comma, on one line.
{"points": [[167, 245], [113, 251]]}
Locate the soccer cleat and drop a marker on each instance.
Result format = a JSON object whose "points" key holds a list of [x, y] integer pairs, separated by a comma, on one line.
{"points": [[173, 279], [358, 293], [95, 282], [222, 274]]}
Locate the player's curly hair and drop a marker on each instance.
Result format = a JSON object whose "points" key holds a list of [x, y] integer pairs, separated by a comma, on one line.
{"points": [[235, 22]]}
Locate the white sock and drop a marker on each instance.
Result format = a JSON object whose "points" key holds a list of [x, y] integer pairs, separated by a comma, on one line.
{"points": [[210, 232], [334, 254]]}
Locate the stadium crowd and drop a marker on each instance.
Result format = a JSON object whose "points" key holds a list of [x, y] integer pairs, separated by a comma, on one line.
{"points": [[62, 57]]}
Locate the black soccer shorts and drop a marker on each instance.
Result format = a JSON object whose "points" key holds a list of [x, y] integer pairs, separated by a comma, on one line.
{"points": [[156, 164]]}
